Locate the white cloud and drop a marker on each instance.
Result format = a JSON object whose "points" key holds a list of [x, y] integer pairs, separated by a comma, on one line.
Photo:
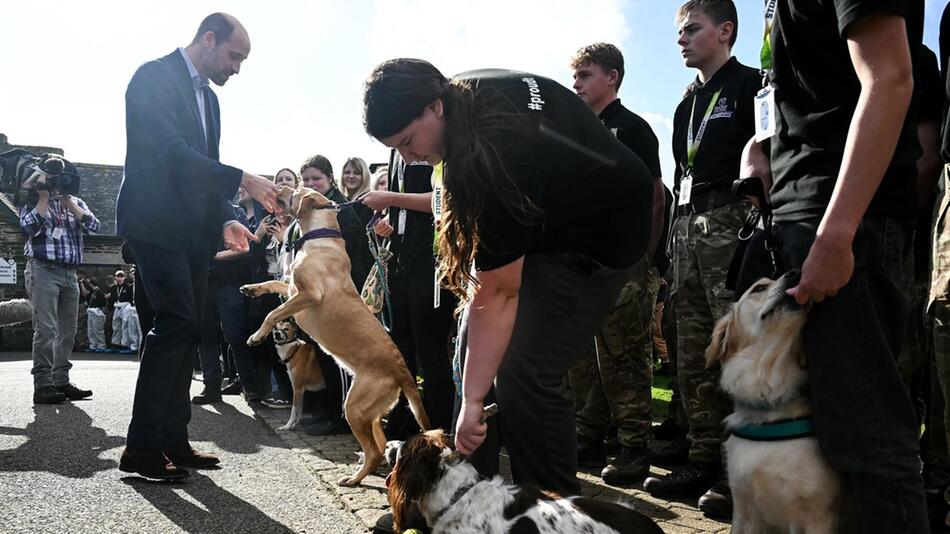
{"points": [[663, 128]]}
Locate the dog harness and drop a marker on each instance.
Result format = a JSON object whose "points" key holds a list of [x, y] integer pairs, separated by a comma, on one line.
{"points": [[784, 429], [316, 234]]}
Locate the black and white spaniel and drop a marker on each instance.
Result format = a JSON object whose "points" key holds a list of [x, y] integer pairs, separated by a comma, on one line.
{"points": [[430, 485]]}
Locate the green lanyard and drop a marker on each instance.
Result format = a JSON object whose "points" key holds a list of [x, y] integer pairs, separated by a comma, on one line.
{"points": [[765, 55], [692, 146]]}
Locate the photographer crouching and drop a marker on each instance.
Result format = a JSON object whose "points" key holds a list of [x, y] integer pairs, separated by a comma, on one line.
{"points": [[54, 225]]}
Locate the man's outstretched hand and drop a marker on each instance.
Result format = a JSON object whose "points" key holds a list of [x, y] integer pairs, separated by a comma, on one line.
{"points": [[236, 237], [262, 190]]}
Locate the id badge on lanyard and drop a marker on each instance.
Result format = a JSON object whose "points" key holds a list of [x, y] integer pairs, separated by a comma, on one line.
{"points": [[692, 147], [401, 217], [766, 113]]}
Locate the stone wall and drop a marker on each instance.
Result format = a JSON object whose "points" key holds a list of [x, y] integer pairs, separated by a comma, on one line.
{"points": [[101, 252]]}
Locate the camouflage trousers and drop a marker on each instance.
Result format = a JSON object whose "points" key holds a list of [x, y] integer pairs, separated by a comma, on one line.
{"points": [[703, 246], [613, 383]]}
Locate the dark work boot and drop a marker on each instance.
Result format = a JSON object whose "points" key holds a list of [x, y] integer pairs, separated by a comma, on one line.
{"points": [[690, 480], [591, 454], [208, 395], [669, 453], [629, 467], [717, 502]]}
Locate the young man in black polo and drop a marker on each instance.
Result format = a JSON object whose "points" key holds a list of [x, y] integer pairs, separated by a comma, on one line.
{"points": [[710, 129], [843, 166], [613, 384]]}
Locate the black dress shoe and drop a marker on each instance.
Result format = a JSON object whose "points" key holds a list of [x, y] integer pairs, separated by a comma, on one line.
{"points": [[48, 395], [74, 393], [187, 456], [150, 463], [690, 480], [629, 467], [717, 502], [233, 388], [207, 396]]}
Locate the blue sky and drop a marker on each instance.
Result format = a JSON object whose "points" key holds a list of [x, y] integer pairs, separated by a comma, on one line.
{"points": [[299, 93]]}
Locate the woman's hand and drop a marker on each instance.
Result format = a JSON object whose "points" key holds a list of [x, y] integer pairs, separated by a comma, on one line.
{"points": [[383, 228], [377, 200], [470, 431]]}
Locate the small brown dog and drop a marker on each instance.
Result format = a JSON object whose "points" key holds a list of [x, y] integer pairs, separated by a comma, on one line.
{"points": [[780, 480], [302, 366], [324, 302]]}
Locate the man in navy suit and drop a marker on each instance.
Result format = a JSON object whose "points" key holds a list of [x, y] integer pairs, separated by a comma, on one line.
{"points": [[173, 211]]}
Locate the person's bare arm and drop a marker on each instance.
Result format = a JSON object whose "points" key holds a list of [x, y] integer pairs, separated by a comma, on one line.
{"points": [[491, 319], [881, 56], [380, 200]]}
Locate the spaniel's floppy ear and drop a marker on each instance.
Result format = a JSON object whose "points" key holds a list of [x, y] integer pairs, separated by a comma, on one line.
{"points": [[722, 344]]}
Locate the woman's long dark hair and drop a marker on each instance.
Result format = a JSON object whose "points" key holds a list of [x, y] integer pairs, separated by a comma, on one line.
{"points": [[395, 94]]}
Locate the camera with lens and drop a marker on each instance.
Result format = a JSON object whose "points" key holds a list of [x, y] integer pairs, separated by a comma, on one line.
{"points": [[17, 166]]}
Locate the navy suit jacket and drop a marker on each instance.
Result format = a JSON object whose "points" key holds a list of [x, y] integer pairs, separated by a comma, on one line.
{"points": [[175, 192]]}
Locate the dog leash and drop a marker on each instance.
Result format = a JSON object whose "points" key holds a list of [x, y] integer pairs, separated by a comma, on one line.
{"points": [[374, 248]]}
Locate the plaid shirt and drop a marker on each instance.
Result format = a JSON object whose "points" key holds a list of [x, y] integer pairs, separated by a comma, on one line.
{"points": [[60, 223]]}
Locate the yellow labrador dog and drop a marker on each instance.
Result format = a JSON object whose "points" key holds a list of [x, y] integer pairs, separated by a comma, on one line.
{"points": [[324, 302], [780, 480]]}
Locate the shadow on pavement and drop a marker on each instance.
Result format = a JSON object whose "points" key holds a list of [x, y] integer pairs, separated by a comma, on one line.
{"points": [[217, 510], [60, 440], [229, 428]]}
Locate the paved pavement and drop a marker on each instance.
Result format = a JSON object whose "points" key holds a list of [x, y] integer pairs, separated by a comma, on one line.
{"points": [[58, 468]]}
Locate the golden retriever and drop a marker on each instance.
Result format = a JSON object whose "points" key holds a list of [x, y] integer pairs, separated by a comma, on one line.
{"points": [[780, 480], [324, 302]]}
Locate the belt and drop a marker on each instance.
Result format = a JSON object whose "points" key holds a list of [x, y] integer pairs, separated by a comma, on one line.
{"points": [[708, 201], [50, 264]]}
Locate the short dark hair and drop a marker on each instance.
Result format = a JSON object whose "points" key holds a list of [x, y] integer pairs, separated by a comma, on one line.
{"points": [[718, 10], [605, 55], [321, 163], [219, 24]]}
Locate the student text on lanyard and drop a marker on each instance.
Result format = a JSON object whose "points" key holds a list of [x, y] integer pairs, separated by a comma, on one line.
{"points": [[764, 105], [436, 220], [692, 147]]}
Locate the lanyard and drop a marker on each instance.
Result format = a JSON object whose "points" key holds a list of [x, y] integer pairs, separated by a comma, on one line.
{"points": [[765, 55], [692, 146]]}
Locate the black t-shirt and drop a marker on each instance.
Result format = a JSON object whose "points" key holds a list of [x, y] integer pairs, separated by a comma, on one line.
{"points": [[817, 92], [635, 133], [594, 193], [122, 293], [731, 124], [413, 249]]}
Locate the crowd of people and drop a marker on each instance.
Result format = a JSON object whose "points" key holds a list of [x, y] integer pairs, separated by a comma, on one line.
{"points": [[540, 214]]}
